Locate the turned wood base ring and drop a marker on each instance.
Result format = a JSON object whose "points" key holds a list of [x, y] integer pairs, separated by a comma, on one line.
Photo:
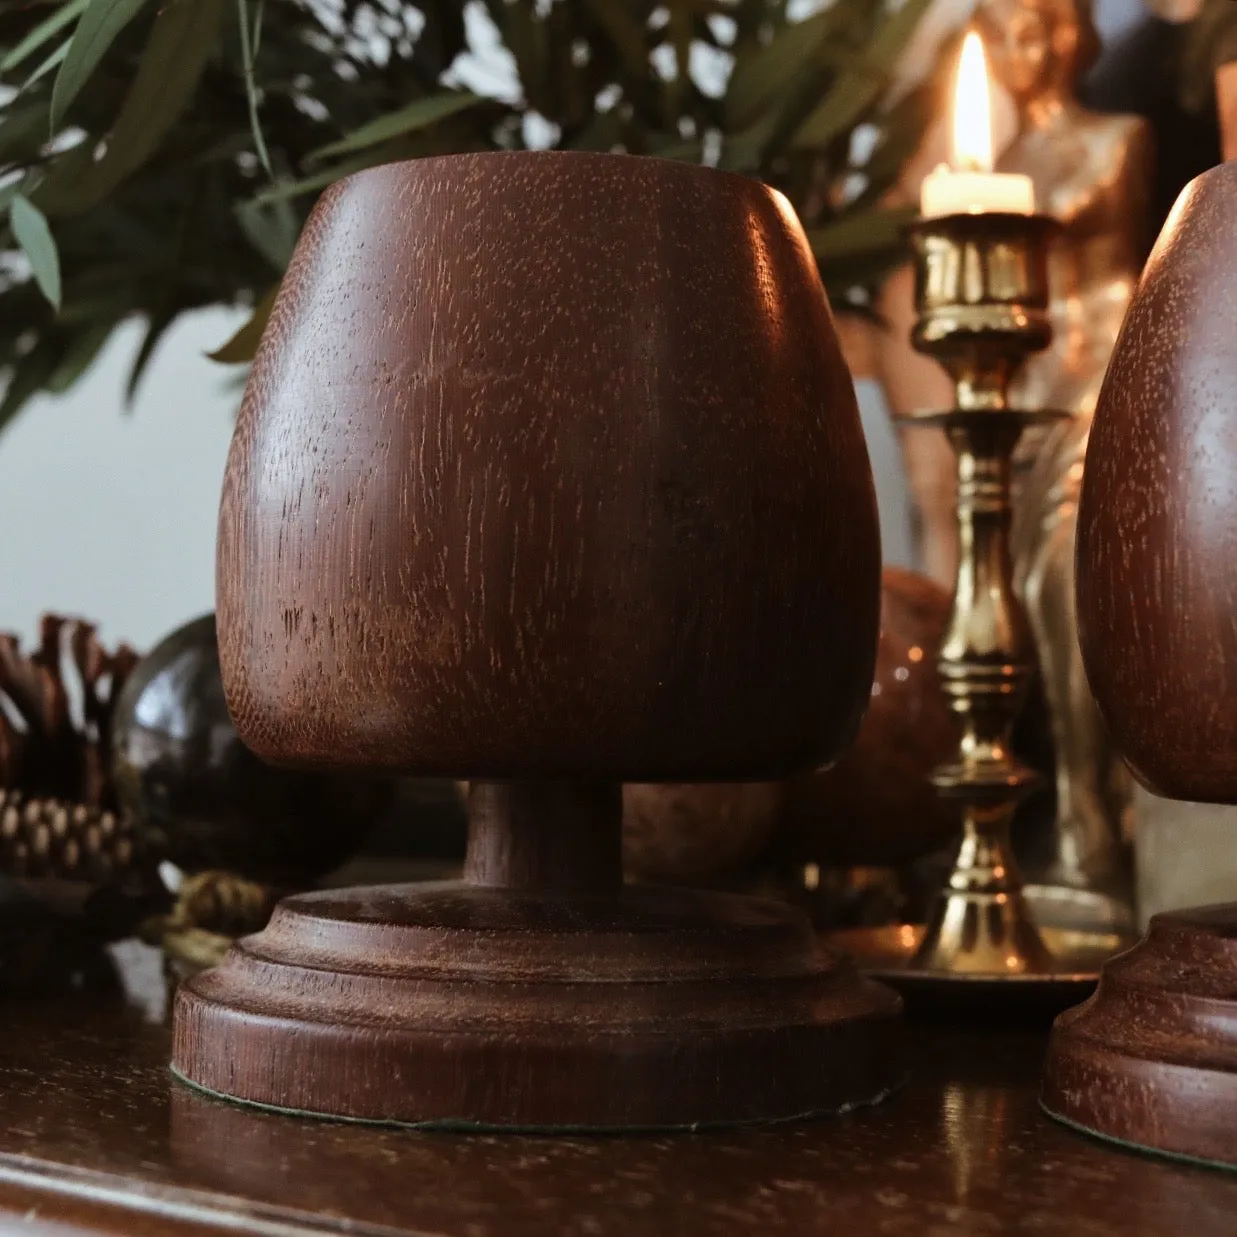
{"points": [[1151, 1059], [458, 1005]]}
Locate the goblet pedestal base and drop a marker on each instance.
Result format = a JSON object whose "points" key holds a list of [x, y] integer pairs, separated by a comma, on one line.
{"points": [[1151, 1059], [458, 1005]]}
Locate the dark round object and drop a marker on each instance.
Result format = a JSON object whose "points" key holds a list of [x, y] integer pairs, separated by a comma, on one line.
{"points": [[201, 798], [549, 475], [697, 833]]}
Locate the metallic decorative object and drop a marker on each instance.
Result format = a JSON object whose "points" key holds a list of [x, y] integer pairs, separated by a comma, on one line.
{"points": [[891, 953], [982, 297], [1092, 174]]}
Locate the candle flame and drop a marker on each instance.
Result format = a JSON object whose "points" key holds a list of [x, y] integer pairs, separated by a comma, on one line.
{"points": [[972, 136]]}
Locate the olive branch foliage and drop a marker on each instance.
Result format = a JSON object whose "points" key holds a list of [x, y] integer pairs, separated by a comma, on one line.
{"points": [[160, 156]]}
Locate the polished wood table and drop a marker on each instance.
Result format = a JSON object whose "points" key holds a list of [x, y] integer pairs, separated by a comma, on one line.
{"points": [[96, 1137]]}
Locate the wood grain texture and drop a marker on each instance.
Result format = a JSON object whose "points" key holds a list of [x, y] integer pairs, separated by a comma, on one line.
{"points": [[1157, 524], [549, 475], [1152, 1058], [550, 836], [467, 1006], [95, 1138], [549, 466]]}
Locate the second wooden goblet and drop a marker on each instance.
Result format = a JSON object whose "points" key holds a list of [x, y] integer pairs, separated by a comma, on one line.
{"points": [[1151, 1059], [548, 476]]}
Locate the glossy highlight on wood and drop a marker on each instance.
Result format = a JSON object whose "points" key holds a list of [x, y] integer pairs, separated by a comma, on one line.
{"points": [[549, 475]]}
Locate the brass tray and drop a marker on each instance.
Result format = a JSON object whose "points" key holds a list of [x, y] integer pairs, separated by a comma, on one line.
{"points": [[886, 953]]}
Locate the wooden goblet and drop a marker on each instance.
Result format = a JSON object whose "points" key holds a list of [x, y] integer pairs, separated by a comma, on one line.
{"points": [[1151, 1058], [549, 476]]}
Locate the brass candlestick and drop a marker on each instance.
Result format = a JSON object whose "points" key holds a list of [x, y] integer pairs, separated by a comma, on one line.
{"points": [[982, 298], [982, 302]]}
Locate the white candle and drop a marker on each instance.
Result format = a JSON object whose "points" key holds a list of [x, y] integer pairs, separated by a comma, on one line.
{"points": [[971, 186]]}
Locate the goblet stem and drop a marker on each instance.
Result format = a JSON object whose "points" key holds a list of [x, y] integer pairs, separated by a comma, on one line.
{"points": [[548, 837]]}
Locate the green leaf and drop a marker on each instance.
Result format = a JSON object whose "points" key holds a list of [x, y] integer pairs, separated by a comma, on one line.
{"points": [[46, 65], [29, 376], [271, 229], [244, 344], [627, 34], [8, 193], [249, 51], [100, 23], [417, 115], [44, 31], [763, 71], [671, 146], [22, 130], [680, 31], [155, 330], [525, 37], [862, 84], [181, 42], [79, 356], [872, 232], [604, 131], [34, 236], [285, 191], [744, 152]]}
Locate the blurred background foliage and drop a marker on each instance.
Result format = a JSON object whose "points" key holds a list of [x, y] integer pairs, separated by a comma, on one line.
{"points": [[159, 156]]}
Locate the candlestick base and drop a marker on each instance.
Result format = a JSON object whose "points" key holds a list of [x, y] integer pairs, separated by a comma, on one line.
{"points": [[891, 954]]}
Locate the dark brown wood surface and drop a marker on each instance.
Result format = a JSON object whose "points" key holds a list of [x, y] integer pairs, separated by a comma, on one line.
{"points": [[549, 466], [1157, 521], [549, 475], [1153, 1057], [95, 1137], [463, 1005]]}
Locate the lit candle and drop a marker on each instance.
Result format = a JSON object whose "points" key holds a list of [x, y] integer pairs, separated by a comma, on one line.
{"points": [[971, 186]]}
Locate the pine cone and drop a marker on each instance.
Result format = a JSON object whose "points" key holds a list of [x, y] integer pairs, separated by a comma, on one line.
{"points": [[50, 838]]}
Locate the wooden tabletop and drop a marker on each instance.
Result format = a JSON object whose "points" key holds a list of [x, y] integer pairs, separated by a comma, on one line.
{"points": [[96, 1137]]}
